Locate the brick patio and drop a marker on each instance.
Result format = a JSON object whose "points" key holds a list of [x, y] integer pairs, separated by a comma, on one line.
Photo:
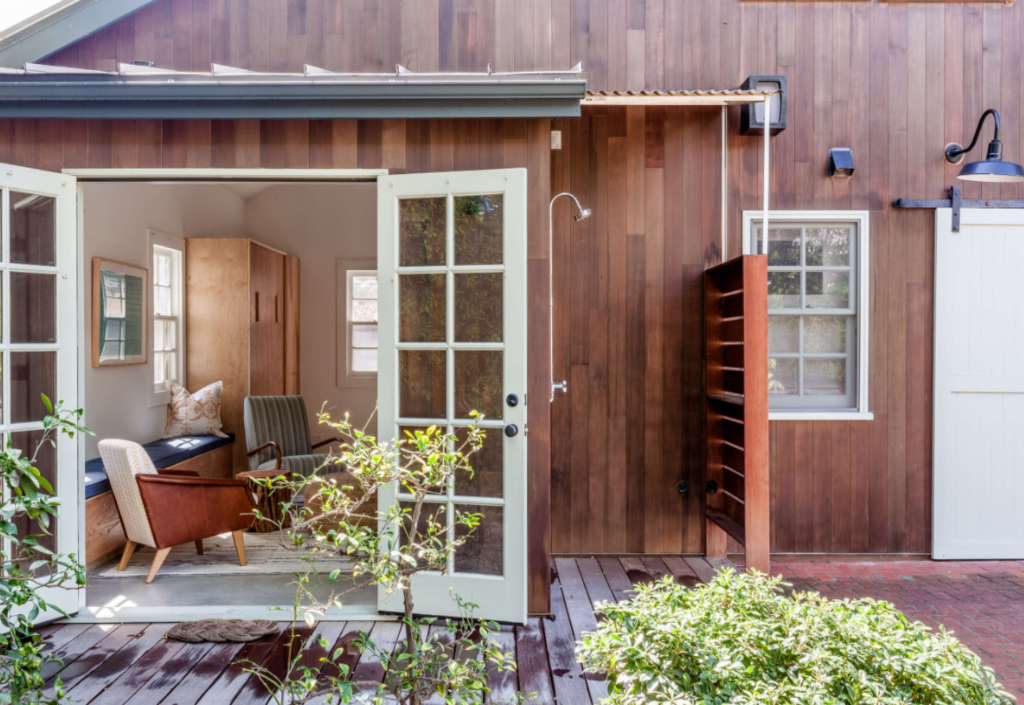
{"points": [[982, 603]]}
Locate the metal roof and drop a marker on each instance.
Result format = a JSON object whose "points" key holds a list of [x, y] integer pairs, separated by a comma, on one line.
{"points": [[141, 91]]}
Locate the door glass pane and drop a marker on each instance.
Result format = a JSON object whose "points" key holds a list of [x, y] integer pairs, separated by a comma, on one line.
{"points": [[487, 479], [429, 512], [32, 229], [825, 377], [421, 308], [33, 308], [46, 464], [828, 247], [826, 289], [422, 232], [483, 552], [782, 372], [421, 384], [824, 334], [478, 383], [783, 334], [32, 374], [478, 229], [407, 434], [478, 308]]}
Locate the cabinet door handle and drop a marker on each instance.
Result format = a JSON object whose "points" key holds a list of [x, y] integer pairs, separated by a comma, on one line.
{"points": [[257, 307], [275, 310]]}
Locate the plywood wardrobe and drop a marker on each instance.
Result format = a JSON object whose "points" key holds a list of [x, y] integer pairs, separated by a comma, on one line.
{"points": [[241, 325]]}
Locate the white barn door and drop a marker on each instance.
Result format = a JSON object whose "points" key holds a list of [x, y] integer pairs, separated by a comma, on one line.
{"points": [[451, 263], [979, 385]]}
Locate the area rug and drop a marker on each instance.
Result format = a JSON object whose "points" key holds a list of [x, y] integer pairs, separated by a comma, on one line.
{"points": [[264, 555]]}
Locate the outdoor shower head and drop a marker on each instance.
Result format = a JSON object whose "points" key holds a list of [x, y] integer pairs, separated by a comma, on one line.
{"points": [[583, 214]]}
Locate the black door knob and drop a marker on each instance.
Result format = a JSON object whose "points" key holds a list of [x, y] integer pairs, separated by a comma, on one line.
{"points": [[512, 400], [683, 487], [511, 430]]}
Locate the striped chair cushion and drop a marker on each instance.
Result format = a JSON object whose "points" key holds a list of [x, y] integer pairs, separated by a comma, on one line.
{"points": [[123, 460], [282, 420], [305, 465]]}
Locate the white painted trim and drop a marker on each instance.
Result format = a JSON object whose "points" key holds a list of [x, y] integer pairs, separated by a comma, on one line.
{"points": [[863, 220], [225, 174]]}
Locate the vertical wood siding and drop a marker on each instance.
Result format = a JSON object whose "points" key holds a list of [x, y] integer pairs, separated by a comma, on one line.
{"points": [[895, 81]]}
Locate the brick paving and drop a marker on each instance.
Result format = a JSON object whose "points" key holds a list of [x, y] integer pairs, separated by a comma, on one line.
{"points": [[982, 603]]}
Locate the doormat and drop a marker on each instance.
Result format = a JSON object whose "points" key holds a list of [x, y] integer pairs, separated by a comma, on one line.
{"points": [[217, 631], [264, 555]]}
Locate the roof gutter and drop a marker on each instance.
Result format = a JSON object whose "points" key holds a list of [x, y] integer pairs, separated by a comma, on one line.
{"points": [[82, 96]]}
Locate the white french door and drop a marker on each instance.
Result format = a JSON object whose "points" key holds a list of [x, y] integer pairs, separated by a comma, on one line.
{"points": [[452, 332], [38, 339]]}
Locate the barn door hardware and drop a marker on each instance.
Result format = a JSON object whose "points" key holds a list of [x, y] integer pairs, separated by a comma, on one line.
{"points": [[957, 203]]}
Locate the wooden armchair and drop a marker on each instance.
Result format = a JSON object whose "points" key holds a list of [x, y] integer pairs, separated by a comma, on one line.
{"points": [[163, 509], [277, 436]]}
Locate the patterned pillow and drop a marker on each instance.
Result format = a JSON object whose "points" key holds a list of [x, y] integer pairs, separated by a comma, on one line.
{"points": [[194, 414]]}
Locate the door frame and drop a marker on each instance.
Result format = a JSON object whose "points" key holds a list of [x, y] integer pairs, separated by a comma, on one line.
{"points": [[168, 176]]}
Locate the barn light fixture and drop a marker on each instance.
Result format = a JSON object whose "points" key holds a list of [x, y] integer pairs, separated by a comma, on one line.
{"points": [[993, 169]]}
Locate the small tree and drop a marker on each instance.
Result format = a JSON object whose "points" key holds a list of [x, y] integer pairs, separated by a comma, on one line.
{"points": [[386, 548], [27, 567]]}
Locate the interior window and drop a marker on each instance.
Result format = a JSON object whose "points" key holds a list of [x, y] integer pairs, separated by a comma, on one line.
{"points": [[167, 314], [362, 323]]}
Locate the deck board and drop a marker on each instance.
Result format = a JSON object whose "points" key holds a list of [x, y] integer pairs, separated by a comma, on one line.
{"points": [[133, 663]]}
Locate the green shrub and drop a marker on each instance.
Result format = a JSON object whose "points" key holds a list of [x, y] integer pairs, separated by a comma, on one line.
{"points": [[740, 639]]}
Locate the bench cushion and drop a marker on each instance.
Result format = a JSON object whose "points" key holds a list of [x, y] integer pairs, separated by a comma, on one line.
{"points": [[164, 453]]}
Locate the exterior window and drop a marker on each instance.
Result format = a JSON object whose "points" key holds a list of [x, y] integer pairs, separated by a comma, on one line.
{"points": [[817, 311], [167, 256], [362, 323]]}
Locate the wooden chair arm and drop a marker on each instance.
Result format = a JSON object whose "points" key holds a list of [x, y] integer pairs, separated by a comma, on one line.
{"points": [[327, 441], [269, 444], [183, 473]]}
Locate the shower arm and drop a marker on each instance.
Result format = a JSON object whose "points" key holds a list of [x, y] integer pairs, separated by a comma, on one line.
{"points": [[563, 385]]}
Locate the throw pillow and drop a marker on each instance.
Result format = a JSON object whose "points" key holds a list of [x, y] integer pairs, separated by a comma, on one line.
{"points": [[194, 414]]}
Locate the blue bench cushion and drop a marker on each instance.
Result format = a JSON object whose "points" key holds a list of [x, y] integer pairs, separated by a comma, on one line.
{"points": [[164, 453]]}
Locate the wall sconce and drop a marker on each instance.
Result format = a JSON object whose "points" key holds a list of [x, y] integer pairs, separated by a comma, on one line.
{"points": [[752, 114], [840, 162], [993, 169]]}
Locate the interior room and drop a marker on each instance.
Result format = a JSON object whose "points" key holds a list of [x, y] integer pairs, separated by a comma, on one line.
{"points": [[252, 290]]}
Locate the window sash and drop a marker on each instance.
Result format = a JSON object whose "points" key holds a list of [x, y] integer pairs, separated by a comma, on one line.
{"points": [[352, 299]]}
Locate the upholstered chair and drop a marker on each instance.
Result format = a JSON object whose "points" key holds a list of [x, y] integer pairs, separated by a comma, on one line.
{"points": [[165, 508], [277, 436]]}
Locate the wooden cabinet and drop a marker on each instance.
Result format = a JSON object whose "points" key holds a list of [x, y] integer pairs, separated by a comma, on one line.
{"points": [[241, 324]]}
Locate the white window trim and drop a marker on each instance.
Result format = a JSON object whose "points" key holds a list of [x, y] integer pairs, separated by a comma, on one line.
{"points": [[171, 242], [862, 219], [346, 379]]}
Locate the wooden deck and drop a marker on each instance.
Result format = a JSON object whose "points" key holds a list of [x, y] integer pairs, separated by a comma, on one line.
{"points": [[132, 663]]}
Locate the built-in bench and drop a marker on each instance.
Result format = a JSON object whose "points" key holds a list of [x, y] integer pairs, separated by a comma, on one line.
{"points": [[209, 456]]}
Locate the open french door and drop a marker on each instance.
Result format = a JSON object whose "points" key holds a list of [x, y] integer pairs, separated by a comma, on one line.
{"points": [[39, 310], [451, 262]]}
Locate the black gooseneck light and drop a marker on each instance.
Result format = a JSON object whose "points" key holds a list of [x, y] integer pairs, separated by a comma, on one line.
{"points": [[993, 169]]}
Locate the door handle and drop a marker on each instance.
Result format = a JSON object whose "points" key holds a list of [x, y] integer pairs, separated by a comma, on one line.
{"points": [[511, 430]]}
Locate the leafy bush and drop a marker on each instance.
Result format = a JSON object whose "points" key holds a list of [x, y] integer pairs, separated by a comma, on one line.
{"points": [[740, 639]]}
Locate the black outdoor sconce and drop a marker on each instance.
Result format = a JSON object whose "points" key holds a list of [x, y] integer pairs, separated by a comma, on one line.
{"points": [[840, 162], [993, 169], [752, 114]]}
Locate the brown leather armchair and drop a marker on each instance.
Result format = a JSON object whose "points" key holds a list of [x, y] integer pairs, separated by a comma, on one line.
{"points": [[171, 507]]}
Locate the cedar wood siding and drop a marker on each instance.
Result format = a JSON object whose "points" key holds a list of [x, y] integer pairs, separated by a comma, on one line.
{"points": [[895, 81]]}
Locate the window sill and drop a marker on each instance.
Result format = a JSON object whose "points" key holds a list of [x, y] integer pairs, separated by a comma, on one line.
{"points": [[820, 416]]}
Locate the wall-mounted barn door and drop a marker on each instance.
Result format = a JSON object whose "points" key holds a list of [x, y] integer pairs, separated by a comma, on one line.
{"points": [[736, 334], [451, 262], [39, 342]]}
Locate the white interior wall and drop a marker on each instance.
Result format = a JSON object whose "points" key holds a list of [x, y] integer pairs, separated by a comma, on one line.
{"points": [[116, 218], [320, 224]]}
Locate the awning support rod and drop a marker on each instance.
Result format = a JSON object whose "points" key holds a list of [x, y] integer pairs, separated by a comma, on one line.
{"points": [[725, 183], [767, 133]]}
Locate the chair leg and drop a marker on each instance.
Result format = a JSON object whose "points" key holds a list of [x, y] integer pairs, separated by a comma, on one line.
{"points": [[239, 546], [129, 549], [199, 547], [158, 560]]}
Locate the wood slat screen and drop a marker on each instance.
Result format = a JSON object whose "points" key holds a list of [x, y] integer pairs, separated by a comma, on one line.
{"points": [[736, 312]]}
